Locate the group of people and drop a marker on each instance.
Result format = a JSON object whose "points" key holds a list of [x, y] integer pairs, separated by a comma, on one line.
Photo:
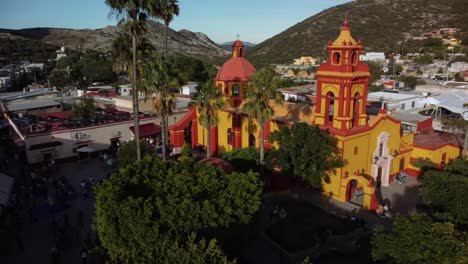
{"points": [[278, 212], [86, 185]]}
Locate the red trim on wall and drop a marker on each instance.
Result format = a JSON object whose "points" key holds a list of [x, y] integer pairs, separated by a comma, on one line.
{"points": [[374, 203], [413, 172], [214, 140], [194, 133], [424, 125]]}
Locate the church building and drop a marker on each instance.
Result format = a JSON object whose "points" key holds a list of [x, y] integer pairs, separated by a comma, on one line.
{"points": [[374, 146]]}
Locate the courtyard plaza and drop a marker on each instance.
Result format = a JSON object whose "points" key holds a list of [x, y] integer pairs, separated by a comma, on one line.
{"points": [[39, 235]]}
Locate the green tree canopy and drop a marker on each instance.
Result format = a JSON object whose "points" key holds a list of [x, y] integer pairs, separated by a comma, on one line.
{"points": [[260, 90], [446, 191], [305, 151], [190, 251], [208, 103], [411, 81], [149, 199], [84, 108], [417, 239], [244, 159], [126, 154]]}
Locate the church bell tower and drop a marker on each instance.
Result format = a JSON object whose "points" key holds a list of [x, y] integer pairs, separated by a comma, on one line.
{"points": [[342, 83]]}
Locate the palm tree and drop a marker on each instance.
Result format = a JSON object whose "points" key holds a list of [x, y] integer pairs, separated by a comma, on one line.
{"points": [[260, 90], [121, 52], [156, 75], [135, 13], [167, 10], [208, 103]]}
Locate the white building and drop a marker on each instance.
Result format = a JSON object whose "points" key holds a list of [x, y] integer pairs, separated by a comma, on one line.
{"points": [[396, 101], [372, 56], [189, 89], [5, 83], [126, 90], [458, 67], [61, 53]]}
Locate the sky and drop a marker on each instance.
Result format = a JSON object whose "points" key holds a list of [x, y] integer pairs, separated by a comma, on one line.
{"points": [[254, 20]]}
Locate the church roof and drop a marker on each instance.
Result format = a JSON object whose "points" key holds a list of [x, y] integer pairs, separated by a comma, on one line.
{"points": [[238, 43], [345, 38], [236, 69]]}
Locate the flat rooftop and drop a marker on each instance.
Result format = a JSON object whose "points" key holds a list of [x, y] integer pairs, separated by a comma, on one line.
{"points": [[395, 97]]}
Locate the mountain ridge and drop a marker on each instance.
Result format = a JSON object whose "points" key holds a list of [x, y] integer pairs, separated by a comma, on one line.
{"points": [[185, 42], [382, 25]]}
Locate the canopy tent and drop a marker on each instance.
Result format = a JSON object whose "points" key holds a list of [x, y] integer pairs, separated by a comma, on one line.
{"points": [[85, 149], [148, 130], [453, 102], [6, 184]]}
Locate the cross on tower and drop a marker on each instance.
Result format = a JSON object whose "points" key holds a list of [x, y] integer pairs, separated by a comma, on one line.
{"points": [[237, 36]]}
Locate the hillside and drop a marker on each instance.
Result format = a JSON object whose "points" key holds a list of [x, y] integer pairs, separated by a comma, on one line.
{"points": [[382, 25], [181, 42]]}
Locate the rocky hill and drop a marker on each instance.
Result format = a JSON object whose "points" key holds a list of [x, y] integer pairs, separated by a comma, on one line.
{"points": [[180, 42], [382, 25]]}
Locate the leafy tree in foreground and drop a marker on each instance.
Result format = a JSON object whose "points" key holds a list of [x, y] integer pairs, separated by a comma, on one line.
{"points": [[126, 154], [244, 159], [417, 239], [190, 252], [305, 151], [150, 199], [446, 191]]}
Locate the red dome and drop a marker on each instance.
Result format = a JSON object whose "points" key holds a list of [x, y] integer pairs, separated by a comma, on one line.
{"points": [[237, 43], [236, 69]]}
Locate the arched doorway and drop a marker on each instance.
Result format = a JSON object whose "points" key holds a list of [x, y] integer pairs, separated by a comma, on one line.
{"points": [[355, 193]]}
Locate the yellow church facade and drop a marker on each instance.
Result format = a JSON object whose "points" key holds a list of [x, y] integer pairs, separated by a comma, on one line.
{"points": [[374, 147]]}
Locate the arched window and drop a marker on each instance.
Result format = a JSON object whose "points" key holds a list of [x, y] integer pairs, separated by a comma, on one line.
{"points": [[229, 136], [355, 108], [336, 58], [354, 58], [235, 89], [331, 107], [240, 52]]}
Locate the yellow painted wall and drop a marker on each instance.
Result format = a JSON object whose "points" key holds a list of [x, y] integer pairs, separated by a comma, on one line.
{"points": [[435, 155], [224, 123]]}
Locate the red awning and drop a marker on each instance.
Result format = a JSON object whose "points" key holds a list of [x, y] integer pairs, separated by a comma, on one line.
{"points": [[147, 130]]}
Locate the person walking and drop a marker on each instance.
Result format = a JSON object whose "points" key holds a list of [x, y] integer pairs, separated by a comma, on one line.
{"points": [[84, 255]]}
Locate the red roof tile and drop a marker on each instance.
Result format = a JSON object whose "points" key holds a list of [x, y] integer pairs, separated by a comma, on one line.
{"points": [[236, 69], [433, 140]]}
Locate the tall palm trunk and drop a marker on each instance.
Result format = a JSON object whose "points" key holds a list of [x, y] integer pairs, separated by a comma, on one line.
{"points": [[262, 144], [208, 143], [135, 100], [166, 117], [163, 138]]}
